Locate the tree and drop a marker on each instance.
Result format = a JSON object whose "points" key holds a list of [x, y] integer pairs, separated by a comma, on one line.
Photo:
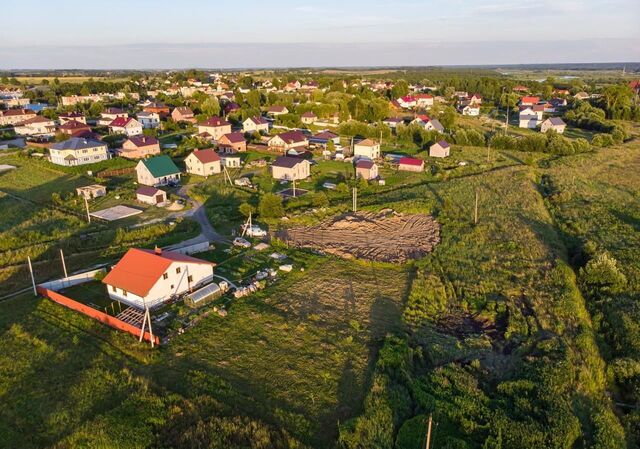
{"points": [[246, 209], [400, 89], [210, 106], [271, 206], [319, 199], [602, 275], [448, 117]]}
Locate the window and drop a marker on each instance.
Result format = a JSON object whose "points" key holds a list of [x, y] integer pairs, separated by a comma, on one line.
{"points": [[114, 288], [124, 292], [178, 270], [172, 286], [165, 276], [189, 278]]}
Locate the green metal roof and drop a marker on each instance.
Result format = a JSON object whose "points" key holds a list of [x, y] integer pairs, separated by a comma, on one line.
{"points": [[161, 166]]}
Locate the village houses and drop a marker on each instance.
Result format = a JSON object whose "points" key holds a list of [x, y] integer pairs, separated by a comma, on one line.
{"points": [[139, 147], [203, 163], [215, 127], [183, 114], [151, 195], [127, 126], [440, 149], [367, 148], [255, 124], [286, 168], [157, 171], [554, 123], [145, 278], [287, 141], [78, 151], [366, 169]]}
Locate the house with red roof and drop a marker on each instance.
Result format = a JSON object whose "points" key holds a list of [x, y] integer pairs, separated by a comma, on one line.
{"points": [[287, 141], [151, 195], [407, 102], [366, 169], [529, 101], [255, 124], [139, 147], [216, 127], [146, 278], [277, 110], [203, 163], [73, 128], [127, 126], [411, 164], [232, 143], [308, 118]]}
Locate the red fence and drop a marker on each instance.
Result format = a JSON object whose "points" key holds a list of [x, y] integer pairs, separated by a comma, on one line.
{"points": [[96, 314]]}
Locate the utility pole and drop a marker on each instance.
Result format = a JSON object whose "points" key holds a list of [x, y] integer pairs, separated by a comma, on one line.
{"points": [[294, 187], [33, 280], [475, 215], [86, 205], [488, 149], [64, 266], [428, 444]]}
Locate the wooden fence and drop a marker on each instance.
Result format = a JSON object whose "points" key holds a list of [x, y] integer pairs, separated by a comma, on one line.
{"points": [[116, 172], [96, 314]]}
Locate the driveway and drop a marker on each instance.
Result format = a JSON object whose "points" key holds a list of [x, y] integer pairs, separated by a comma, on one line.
{"points": [[199, 214]]}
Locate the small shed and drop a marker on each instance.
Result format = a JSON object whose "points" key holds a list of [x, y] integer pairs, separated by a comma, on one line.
{"points": [[411, 164], [440, 149], [151, 195], [366, 169], [92, 191]]}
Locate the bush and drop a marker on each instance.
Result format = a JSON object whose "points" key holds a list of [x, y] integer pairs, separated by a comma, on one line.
{"points": [[271, 206], [601, 275]]}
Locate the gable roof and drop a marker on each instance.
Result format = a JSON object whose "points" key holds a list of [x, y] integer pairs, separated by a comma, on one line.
{"points": [[113, 111], [214, 122], [77, 143], [292, 136], [121, 122], [411, 161], [160, 166], [258, 120], [139, 269], [366, 164], [325, 135], [530, 100], [36, 119], [206, 156], [287, 161], [16, 112], [443, 144], [556, 121], [234, 137], [308, 114], [143, 141], [147, 191], [277, 108], [73, 125], [184, 111], [366, 143]]}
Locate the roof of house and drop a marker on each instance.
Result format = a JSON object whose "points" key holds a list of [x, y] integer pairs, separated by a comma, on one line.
{"points": [[206, 156], [308, 114], [325, 135], [70, 115], [277, 108], [139, 269], [183, 110], [160, 166], [77, 143], [143, 141], [532, 100], [258, 120], [394, 119], [287, 162], [411, 161], [364, 163], [234, 137], [443, 144], [73, 124], [292, 136], [436, 124], [121, 122], [36, 119], [16, 112], [556, 121], [366, 143], [215, 122], [148, 191]]}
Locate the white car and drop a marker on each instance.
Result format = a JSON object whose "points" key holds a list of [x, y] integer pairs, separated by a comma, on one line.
{"points": [[243, 243], [256, 231]]}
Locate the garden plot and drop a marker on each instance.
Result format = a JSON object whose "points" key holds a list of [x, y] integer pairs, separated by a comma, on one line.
{"points": [[386, 236]]}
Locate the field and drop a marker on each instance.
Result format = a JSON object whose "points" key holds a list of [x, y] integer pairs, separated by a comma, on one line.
{"points": [[67, 79], [383, 237]]}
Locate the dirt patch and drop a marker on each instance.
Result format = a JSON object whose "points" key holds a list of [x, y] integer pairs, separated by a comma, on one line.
{"points": [[385, 236]]}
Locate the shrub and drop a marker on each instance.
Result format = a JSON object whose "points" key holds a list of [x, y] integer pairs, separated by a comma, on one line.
{"points": [[601, 275]]}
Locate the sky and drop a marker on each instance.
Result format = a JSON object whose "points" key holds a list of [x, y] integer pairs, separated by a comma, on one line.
{"points": [[159, 34]]}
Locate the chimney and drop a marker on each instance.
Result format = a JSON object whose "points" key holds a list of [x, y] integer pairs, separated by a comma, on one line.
{"points": [[158, 251]]}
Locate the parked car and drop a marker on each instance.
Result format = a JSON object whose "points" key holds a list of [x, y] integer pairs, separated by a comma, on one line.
{"points": [[242, 243]]}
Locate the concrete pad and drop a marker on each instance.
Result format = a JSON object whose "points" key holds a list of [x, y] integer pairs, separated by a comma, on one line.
{"points": [[116, 213]]}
